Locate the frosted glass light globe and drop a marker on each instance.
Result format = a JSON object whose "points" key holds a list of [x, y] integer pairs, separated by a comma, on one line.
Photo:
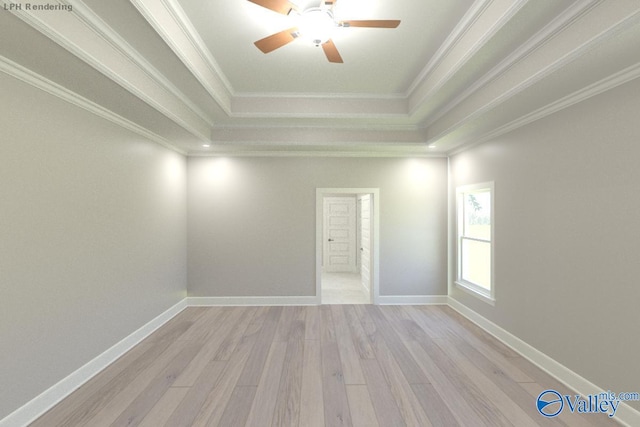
{"points": [[316, 25]]}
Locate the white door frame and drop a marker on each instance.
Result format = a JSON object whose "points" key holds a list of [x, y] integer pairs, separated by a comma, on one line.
{"points": [[375, 273]]}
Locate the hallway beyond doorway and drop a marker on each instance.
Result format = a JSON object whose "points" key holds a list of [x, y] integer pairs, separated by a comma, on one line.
{"points": [[343, 288]]}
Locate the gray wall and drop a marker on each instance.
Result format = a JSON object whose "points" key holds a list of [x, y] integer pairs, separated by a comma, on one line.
{"points": [[252, 223], [567, 233], [92, 238]]}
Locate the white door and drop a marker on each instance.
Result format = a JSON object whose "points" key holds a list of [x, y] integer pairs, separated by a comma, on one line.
{"points": [[365, 241], [340, 234]]}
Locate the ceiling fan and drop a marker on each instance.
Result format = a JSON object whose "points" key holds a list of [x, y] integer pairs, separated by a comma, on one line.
{"points": [[315, 24]]}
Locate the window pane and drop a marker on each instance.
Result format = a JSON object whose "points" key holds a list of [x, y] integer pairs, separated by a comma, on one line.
{"points": [[477, 214], [476, 262]]}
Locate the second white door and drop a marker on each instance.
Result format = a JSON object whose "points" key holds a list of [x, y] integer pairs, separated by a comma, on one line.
{"points": [[365, 241]]}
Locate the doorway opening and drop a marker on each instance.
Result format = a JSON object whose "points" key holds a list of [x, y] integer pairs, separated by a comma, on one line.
{"points": [[347, 245]]}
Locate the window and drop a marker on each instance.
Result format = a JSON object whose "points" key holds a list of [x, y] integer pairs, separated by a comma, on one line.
{"points": [[474, 208]]}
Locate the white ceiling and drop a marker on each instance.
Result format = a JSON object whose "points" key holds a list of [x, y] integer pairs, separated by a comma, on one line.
{"points": [[454, 73], [378, 62]]}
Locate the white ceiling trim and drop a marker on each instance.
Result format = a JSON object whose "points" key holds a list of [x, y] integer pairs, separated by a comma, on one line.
{"points": [[100, 27], [608, 83], [352, 149], [611, 32], [300, 107], [183, 22], [607, 32], [439, 105], [311, 153], [171, 23], [559, 24], [308, 105], [181, 19], [79, 37], [315, 95], [27, 76], [449, 43], [334, 126], [426, 89], [273, 105], [303, 136], [244, 105]]}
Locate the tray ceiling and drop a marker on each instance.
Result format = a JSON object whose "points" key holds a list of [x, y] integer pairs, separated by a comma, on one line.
{"points": [[454, 73]]}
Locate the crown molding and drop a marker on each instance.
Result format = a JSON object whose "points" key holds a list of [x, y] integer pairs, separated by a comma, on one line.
{"points": [[625, 23], [622, 77], [318, 153], [293, 105], [467, 21], [192, 50], [316, 95], [27, 76], [318, 136], [422, 92], [94, 22], [350, 123], [172, 24], [77, 35], [180, 17], [551, 30], [374, 126], [318, 107], [182, 37]]}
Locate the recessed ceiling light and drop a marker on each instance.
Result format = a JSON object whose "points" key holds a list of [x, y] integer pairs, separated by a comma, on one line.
{"points": [[206, 145], [431, 146]]}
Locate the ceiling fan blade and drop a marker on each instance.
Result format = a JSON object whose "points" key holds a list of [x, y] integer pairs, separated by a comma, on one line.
{"points": [[375, 23], [274, 41], [279, 6], [332, 52]]}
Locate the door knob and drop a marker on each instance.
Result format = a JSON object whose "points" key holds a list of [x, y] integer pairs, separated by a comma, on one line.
{"points": [[331, 240]]}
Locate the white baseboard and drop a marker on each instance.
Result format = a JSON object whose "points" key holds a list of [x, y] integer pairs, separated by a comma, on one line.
{"points": [[50, 397], [412, 299], [311, 300], [625, 415], [282, 300]]}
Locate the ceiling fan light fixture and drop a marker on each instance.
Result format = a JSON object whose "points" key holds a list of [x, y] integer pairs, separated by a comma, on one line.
{"points": [[317, 25]]}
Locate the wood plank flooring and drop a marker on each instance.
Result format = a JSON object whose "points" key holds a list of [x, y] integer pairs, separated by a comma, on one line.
{"points": [[312, 366]]}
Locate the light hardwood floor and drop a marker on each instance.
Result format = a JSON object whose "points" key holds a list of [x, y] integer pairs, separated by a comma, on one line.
{"points": [[330, 365]]}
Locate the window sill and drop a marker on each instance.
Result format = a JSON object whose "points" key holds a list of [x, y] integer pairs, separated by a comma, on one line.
{"points": [[463, 286]]}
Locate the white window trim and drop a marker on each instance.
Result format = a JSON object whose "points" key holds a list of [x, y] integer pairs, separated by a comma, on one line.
{"points": [[481, 293]]}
